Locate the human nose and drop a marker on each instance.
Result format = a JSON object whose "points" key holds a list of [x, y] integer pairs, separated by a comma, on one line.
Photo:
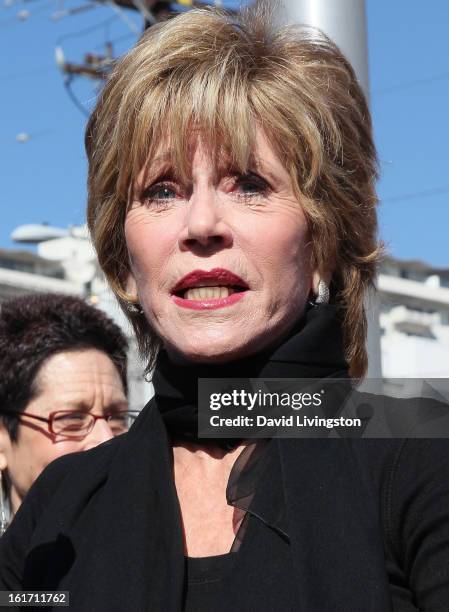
{"points": [[101, 432], [205, 226]]}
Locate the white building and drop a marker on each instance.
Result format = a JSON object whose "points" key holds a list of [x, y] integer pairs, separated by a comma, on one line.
{"points": [[23, 272], [67, 264], [414, 319], [414, 298]]}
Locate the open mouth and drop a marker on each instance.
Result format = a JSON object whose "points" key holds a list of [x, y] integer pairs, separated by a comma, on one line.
{"points": [[211, 289], [214, 292]]}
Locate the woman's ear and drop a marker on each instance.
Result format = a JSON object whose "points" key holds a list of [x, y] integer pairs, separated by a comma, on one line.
{"points": [[130, 296], [131, 287], [5, 446]]}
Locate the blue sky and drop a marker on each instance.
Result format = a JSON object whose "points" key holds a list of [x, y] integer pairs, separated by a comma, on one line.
{"points": [[43, 179]]}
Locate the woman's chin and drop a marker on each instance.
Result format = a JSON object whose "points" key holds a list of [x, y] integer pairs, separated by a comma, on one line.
{"points": [[207, 352], [213, 346]]}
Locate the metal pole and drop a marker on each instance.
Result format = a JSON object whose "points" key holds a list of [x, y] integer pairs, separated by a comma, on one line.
{"points": [[344, 21]]}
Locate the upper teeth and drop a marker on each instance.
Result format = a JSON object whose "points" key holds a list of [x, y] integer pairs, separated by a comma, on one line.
{"points": [[201, 293]]}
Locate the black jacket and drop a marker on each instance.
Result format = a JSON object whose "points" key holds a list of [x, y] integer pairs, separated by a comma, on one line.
{"points": [[367, 524]]}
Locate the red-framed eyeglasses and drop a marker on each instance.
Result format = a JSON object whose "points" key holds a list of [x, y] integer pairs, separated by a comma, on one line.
{"points": [[76, 424]]}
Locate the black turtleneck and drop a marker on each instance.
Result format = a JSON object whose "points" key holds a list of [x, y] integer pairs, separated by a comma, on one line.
{"points": [[313, 349]]}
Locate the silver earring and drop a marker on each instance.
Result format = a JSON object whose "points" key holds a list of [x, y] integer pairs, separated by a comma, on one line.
{"points": [[323, 293], [3, 514], [134, 308]]}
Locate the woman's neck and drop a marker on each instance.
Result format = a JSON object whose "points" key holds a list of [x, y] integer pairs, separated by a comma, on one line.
{"points": [[202, 455], [201, 477]]}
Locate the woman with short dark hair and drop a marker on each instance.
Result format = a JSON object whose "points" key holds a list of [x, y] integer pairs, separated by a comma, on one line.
{"points": [[232, 206], [62, 385]]}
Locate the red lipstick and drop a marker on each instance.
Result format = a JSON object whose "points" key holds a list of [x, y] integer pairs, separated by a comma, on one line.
{"points": [[218, 277]]}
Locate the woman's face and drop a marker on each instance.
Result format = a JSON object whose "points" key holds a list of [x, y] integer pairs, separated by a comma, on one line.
{"points": [[83, 381], [246, 236]]}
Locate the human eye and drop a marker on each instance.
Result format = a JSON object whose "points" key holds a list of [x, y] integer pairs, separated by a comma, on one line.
{"points": [[69, 421], [119, 417], [66, 417], [160, 194], [250, 186], [120, 422]]}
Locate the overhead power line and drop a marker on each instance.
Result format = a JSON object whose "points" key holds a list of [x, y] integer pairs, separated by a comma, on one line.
{"points": [[407, 85], [124, 17], [85, 31], [417, 195], [68, 86]]}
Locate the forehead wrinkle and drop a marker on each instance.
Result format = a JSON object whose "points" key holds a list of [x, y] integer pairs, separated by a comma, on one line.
{"points": [[81, 405]]}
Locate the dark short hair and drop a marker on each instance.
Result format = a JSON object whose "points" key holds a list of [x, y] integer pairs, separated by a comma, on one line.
{"points": [[33, 328]]}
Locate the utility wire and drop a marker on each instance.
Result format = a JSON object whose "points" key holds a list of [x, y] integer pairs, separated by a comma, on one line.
{"points": [[145, 12], [86, 31], [68, 86], [417, 195], [115, 40], [407, 85], [126, 20]]}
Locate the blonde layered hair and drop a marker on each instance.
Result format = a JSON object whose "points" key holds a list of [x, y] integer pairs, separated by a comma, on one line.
{"points": [[223, 76]]}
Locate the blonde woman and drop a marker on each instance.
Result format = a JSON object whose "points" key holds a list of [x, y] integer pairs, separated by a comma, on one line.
{"points": [[232, 206]]}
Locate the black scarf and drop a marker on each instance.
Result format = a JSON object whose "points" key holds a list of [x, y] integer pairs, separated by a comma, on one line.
{"points": [[313, 349]]}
